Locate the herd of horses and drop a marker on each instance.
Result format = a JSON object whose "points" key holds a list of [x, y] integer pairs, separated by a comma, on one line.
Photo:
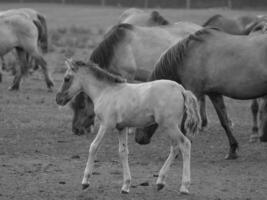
{"points": [[151, 76]]}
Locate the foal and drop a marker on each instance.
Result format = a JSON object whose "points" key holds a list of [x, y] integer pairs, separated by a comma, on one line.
{"points": [[119, 105]]}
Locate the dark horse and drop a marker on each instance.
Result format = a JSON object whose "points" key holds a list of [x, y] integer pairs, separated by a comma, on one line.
{"points": [[243, 25], [211, 62]]}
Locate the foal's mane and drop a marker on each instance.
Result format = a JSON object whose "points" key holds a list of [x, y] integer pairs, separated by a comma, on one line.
{"points": [[104, 52], [158, 18], [211, 20], [99, 73], [166, 67]]}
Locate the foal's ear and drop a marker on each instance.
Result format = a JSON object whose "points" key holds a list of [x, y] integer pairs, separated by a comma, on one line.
{"points": [[70, 65]]}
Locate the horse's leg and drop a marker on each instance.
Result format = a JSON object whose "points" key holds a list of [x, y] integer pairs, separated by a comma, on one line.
{"points": [[91, 158], [19, 72], [41, 62], [263, 119], [220, 108], [3, 67], [123, 153], [203, 113], [182, 143], [254, 109]]}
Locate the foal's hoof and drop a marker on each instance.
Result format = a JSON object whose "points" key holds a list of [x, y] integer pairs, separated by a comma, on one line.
{"points": [[231, 156], [124, 192], [85, 186], [160, 186], [184, 190]]}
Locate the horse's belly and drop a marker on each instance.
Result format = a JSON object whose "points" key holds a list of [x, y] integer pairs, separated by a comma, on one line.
{"points": [[136, 119], [245, 91]]}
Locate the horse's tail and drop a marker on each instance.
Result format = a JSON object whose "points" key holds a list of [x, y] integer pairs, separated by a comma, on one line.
{"points": [[42, 32], [192, 123]]}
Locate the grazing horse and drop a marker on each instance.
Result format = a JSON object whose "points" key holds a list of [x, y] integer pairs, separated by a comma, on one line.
{"points": [[18, 32], [211, 62], [142, 18], [259, 106], [119, 105], [37, 18], [131, 51]]}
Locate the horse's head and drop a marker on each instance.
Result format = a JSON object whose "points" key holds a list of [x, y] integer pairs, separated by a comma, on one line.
{"points": [[83, 114], [71, 84], [257, 27]]}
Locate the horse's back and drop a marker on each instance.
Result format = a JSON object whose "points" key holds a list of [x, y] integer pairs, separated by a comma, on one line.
{"points": [[234, 57]]}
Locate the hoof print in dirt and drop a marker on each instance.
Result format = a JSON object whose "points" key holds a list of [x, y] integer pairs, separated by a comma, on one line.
{"points": [[146, 183], [75, 157]]}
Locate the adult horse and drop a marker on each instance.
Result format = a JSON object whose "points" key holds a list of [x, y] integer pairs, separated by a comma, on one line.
{"points": [[120, 106], [211, 62], [130, 51], [259, 106], [17, 31], [141, 18], [243, 25], [40, 22]]}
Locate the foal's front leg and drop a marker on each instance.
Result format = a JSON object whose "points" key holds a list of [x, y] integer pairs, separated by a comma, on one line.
{"points": [[123, 152], [92, 153]]}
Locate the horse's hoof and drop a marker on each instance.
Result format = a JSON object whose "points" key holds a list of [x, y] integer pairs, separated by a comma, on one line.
{"points": [[12, 88], [183, 190], [124, 192], [85, 186], [263, 139], [231, 156], [160, 186]]}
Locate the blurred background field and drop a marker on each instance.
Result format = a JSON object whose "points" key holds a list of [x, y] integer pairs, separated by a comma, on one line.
{"points": [[40, 158]]}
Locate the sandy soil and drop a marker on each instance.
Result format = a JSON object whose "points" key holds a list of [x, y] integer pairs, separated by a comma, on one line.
{"points": [[40, 158]]}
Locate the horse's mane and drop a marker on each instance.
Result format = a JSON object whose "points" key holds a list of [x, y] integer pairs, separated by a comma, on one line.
{"points": [[158, 18], [166, 67], [104, 52], [211, 20], [99, 73]]}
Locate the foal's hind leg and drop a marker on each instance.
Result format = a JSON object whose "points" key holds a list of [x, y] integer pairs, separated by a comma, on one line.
{"points": [[254, 109], [182, 143], [220, 108], [123, 152]]}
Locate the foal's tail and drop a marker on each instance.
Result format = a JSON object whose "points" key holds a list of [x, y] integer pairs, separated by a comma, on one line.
{"points": [[192, 123]]}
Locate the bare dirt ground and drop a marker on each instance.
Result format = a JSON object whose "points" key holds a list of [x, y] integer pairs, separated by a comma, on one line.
{"points": [[40, 158]]}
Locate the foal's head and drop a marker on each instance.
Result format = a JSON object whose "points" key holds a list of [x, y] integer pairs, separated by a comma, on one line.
{"points": [[71, 84]]}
